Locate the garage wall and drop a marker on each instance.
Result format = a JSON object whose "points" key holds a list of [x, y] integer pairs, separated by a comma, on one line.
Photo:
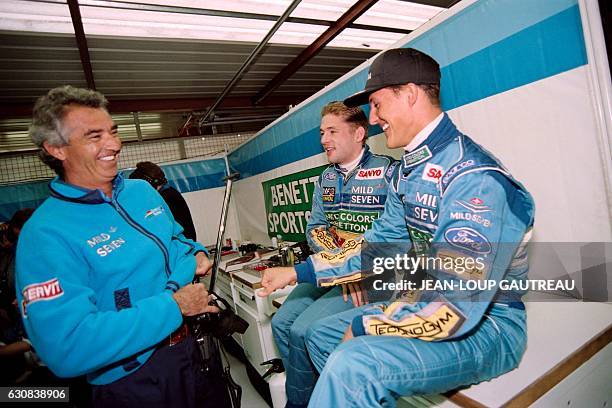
{"points": [[520, 77]]}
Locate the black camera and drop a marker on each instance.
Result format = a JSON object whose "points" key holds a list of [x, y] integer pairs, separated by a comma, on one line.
{"points": [[220, 325]]}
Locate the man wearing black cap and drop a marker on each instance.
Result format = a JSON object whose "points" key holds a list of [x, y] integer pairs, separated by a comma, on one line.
{"points": [[451, 202]]}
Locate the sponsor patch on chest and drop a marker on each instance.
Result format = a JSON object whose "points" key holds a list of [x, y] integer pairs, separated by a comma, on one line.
{"points": [[432, 172], [370, 174], [329, 194], [154, 212]]}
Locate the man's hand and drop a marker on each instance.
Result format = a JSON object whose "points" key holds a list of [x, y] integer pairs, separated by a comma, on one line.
{"points": [[276, 278], [193, 299], [358, 294], [203, 264], [348, 334], [338, 240]]}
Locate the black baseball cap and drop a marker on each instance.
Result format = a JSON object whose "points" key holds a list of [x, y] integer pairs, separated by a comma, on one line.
{"points": [[397, 66]]}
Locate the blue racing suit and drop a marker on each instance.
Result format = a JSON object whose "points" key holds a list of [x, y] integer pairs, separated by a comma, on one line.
{"points": [[95, 278], [451, 201], [344, 207]]}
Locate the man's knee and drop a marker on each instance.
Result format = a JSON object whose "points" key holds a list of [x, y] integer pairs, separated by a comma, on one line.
{"points": [[280, 325], [350, 360], [310, 338], [297, 334], [316, 344]]}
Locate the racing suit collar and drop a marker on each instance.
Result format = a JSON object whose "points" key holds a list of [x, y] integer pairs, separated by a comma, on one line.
{"points": [[365, 155], [424, 133], [442, 135], [70, 192]]}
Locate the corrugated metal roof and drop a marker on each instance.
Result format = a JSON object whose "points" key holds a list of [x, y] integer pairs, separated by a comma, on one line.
{"points": [[175, 57]]}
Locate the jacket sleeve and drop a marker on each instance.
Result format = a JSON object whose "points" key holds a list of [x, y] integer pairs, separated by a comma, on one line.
{"points": [[70, 334], [493, 234], [182, 256], [329, 268], [318, 233]]}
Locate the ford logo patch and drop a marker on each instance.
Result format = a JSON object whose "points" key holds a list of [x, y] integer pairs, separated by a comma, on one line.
{"points": [[330, 176], [468, 238]]}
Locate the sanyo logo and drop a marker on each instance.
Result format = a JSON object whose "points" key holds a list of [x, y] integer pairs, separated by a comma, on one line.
{"points": [[368, 174]]}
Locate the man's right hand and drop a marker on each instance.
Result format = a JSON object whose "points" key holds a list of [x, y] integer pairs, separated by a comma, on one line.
{"points": [[193, 299], [359, 295], [276, 278]]}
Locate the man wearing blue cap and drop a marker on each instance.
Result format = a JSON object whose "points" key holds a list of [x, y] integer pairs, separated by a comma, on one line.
{"points": [[452, 201]]}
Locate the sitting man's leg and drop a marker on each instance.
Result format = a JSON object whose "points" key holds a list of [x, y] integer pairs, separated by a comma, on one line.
{"points": [[373, 371], [301, 374], [326, 334], [298, 300]]}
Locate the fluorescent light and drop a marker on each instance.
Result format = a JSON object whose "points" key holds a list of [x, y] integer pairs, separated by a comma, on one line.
{"points": [[102, 21]]}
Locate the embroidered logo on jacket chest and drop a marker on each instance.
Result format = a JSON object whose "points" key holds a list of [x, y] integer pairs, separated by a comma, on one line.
{"points": [[329, 194], [104, 243], [154, 212]]}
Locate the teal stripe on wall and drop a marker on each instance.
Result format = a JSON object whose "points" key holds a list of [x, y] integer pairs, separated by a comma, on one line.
{"points": [[483, 24], [548, 48], [544, 49], [185, 177], [194, 176], [25, 195]]}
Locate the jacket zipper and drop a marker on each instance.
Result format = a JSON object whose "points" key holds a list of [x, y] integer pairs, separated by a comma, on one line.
{"points": [[143, 231]]}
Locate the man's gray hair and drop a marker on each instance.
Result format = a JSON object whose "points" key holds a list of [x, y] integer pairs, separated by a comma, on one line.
{"points": [[48, 115]]}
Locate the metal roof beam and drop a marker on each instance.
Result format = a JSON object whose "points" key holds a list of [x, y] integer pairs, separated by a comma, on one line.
{"points": [[121, 5], [12, 110], [313, 49], [79, 34], [435, 3], [247, 63]]}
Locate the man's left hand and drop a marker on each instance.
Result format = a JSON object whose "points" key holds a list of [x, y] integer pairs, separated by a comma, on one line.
{"points": [[203, 264]]}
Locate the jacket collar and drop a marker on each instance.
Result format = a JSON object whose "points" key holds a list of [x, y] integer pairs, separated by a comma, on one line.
{"points": [[364, 158], [441, 136], [69, 192]]}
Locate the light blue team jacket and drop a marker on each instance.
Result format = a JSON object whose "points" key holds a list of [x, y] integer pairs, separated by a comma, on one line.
{"points": [[95, 278]]}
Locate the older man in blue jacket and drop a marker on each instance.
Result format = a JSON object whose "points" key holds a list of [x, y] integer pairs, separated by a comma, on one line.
{"points": [[103, 271]]}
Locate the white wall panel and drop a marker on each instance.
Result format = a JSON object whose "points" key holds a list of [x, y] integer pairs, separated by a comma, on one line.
{"points": [[205, 207], [545, 133], [249, 198]]}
